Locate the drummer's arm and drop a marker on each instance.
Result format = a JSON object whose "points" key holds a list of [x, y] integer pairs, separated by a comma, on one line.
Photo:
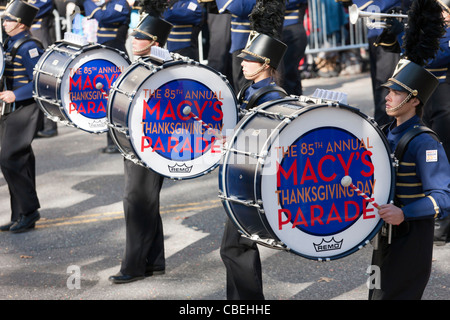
{"points": [[113, 12], [434, 174]]}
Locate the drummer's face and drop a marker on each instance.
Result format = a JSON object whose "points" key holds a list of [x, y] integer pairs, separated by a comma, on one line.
{"points": [[250, 68], [394, 99], [141, 47], [12, 27], [446, 16]]}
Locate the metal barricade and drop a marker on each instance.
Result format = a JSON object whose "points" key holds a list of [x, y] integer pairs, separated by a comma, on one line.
{"points": [[320, 39]]}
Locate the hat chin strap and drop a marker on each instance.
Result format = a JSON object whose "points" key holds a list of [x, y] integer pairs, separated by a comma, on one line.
{"points": [[401, 104], [145, 48], [258, 71]]}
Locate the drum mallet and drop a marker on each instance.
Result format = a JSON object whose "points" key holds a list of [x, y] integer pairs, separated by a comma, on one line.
{"points": [[346, 181], [99, 86], [187, 111]]}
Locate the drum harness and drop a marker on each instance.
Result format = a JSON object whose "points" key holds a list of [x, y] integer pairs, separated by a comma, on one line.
{"points": [[399, 151], [11, 107]]}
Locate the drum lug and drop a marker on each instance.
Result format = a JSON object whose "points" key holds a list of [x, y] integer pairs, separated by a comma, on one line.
{"points": [[123, 130], [247, 203], [270, 243]]}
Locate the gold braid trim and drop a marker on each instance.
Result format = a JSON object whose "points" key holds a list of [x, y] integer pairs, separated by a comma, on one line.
{"points": [[404, 86], [266, 60]]}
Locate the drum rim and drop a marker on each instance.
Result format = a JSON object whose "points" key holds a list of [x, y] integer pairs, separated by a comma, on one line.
{"points": [[165, 65], [259, 167]]}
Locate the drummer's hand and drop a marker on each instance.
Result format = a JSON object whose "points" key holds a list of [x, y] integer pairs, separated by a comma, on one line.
{"points": [[391, 214], [7, 96]]}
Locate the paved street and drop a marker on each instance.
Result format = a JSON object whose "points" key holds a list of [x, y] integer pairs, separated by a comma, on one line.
{"points": [[82, 230]]}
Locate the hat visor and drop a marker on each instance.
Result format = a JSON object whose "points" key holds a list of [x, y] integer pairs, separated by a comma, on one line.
{"points": [[249, 57], [394, 86], [139, 35]]}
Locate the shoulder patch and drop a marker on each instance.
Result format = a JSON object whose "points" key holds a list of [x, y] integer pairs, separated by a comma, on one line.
{"points": [[431, 156], [33, 53]]}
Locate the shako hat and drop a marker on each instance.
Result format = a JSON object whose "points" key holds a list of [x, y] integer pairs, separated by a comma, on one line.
{"points": [[420, 44], [263, 48], [151, 25], [414, 79], [263, 45], [152, 28], [21, 12]]}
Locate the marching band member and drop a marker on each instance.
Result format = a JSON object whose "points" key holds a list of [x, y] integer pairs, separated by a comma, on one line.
{"points": [[19, 120], [240, 30], [436, 113], [113, 18], [186, 16], [382, 63], [294, 35], [437, 110], [144, 249], [423, 176], [261, 57]]}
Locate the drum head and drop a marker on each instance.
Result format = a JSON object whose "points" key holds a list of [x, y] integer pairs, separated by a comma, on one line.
{"points": [[167, 138], [85, 87], [306, 205]]}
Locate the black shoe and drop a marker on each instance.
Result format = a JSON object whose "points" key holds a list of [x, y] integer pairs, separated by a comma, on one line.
{"points": [[124, 278], [7, 226], [154, 272], [110, 149], [47, 133], [25, 223]]}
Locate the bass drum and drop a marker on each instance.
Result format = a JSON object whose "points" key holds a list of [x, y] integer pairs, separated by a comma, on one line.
{"points": [[71, 83], [280, 181], [150, 120]]}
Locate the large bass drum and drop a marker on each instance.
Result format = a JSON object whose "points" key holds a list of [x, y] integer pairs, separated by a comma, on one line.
{"points": [[72, 82], [149, 122], [280, 181]]}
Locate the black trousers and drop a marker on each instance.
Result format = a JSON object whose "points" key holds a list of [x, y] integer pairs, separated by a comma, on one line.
{"points": [[17, 160], [243, 265], [382, 66], [144, 249], [295, 38], [405, 264]]}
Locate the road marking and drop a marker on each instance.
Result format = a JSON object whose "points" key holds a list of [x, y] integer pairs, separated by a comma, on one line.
{"points": [[107, 216]]}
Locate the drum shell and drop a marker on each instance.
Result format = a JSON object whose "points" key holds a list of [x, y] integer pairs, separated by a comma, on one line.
{"points": [[240, 179], [47, 80]]}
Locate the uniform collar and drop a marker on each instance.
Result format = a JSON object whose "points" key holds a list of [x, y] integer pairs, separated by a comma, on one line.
{"points": [[405, 125]]}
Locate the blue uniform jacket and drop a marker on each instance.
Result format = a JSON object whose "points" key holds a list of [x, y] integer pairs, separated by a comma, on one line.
{"points": [[439, 65], [19, 73], [110, 17], [266, 97], [423, 175], [292, 12], [184, 15], [45, 7], [240, 22]]}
